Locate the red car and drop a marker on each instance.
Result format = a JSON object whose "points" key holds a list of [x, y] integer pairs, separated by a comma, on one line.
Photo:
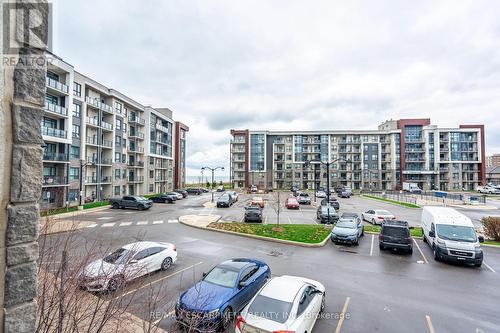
{"points": [[291, 203]]}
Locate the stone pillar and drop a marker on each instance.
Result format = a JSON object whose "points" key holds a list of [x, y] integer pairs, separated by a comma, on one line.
{"points": [[22, 92]]}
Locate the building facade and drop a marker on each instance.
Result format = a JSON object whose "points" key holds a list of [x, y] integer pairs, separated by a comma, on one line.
{"points": [[493, 160], [405, 150], [101, 143]]}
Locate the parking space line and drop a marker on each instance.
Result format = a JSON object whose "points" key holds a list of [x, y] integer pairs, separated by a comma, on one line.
{"points": [[123, 224], [289, 221], [160, 279], [429, 324], [142, 222], [172, 221], [158, 222], [93, 225], [105, 218], [105, 225], [419, 250], [371, 246], [489, 267], [342, 315], [265, 221]]}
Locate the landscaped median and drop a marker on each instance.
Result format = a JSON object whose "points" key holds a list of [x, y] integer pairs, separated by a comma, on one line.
{"points": [[310, 235], [395, 202], [64, 210]]}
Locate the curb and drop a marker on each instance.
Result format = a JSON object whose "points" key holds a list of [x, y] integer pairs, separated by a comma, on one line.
{"points": [[77, 212], [388, 202], [269, 239]]}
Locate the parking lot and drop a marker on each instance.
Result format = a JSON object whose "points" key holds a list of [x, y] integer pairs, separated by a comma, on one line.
{"points": [[376, 291]]}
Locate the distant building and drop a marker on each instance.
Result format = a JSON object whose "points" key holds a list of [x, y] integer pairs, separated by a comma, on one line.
{"points": [[404, 150], [493, 160], [493, 175]]}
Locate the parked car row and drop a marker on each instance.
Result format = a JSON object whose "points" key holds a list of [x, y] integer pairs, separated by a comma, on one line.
{"points": [[142, 203], [489, 189], [245, 287], [227, 199]]}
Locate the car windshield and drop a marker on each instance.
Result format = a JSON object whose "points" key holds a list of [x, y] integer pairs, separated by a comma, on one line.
{"points": [[304, 194], [141, 198], [456, 233], [292, 200], [222, 276], [395, 231], [270, 308], [118, 257], [324, 209], [349, 224], [224, 197], [382, 212]]}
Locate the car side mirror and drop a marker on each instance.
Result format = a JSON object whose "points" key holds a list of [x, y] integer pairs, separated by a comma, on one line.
{"points": [[134, 261], [481, 239], [204, 274], [432, 234], [243, 284]]}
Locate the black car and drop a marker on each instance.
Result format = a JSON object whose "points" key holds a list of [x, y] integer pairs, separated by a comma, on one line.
{"points": [[196, 191], [183, 192], [224, 200], [163, 198], [333, 202], [253, 214], [327, 214], [395, 235]]}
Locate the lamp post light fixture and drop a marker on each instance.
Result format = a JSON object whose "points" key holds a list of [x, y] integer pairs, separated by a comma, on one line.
{"points": [[212, 185], [327, 164], [82, 165]]}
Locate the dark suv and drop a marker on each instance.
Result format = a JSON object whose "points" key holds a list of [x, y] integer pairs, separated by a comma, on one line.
{"points": [[253, 214], [395, 235], [333, 202]]}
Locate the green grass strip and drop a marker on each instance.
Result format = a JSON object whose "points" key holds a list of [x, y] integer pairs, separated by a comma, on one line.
{"points": [[395, 202]]}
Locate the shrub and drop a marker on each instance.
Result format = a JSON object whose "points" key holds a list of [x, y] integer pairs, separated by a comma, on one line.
{"points": [[95, 204], [491, 226]]}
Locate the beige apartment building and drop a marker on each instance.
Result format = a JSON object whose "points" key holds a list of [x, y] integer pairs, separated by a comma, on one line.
{"points": [[102, 143], [405, 150]]}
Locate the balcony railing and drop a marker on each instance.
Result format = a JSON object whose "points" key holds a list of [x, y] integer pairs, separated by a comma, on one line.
{"points": [[107, 143], [54, 180], [57, 109], [136, 149], [54, 132], [60, 157], [91, 141], [137, 134], [161, 128], [92, 121], [135, 178], [106, 108], [136, 163], [93, 180], [92, 101], [57, 85], [106, 125], [136, 120]]}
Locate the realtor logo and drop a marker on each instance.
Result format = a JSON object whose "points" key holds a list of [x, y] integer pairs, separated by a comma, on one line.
{"points": [[26, 24]]}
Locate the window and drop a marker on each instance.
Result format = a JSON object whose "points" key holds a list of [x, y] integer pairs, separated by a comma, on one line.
{"points": [[74, 173], [117, 176], [118, 107], [73, 195], [118, 124], [74, 152], [117, 190], [150, 187], [77, 89], [76, 131], [305, 299], [142, 254], [77, 108], [117, 157], [151, 174]]}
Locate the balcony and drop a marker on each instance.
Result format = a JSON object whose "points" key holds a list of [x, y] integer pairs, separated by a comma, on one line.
{"points": [[56, 109], [161, 128], [91, 141], [106, 108], [56, 85], [92, 121], [136, 149], [161, 179], [93, 180], [136, 120], [54, 181], [137, 164], [56, 157], [132, 178], [54, 132], [106, 126], [106, 161], [136, 134], [107, 143]]}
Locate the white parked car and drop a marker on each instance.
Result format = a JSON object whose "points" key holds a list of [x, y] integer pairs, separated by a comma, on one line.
{"points": [[320, 194], [233, 194], [377, 216], [178, 195], [127, 263], [488, 190], [283, 304]]}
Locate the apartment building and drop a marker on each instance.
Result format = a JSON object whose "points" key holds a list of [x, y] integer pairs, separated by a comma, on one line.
{"points": [[405, 150], [493, 160], [101, 143]]}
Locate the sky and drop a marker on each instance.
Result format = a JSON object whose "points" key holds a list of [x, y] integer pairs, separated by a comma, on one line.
{"points": [[290, 65]]}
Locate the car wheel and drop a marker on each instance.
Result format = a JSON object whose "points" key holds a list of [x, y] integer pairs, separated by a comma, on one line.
{"points": [[166, 263], [227, 318], [424, 239], [478, 265], [141, 207], [410, 251], [363, 232], [116, 205], [356, 242], [115, 283], [381, 247], [435, 254], [322, 308]]}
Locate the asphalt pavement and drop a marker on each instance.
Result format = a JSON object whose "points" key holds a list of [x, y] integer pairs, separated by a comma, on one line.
{"points": [[380, 291]]}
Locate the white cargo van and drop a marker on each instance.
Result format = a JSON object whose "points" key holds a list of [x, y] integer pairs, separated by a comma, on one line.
{"points": [[451, 236]]}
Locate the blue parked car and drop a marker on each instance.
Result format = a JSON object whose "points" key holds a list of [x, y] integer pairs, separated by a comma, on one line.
{"points": [[210, 305], [348, 229]]}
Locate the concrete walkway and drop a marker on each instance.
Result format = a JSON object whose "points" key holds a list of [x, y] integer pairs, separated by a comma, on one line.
{"points": [[199, 221], [53, 224]]}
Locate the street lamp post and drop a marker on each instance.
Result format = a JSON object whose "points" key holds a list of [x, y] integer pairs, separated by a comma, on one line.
{"points": [[213, 170], [82, 165], [327, 164]]}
